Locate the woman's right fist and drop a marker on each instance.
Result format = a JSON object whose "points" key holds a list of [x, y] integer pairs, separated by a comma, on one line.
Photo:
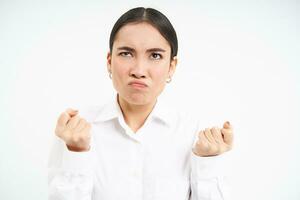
{"points": [[75, 131]]}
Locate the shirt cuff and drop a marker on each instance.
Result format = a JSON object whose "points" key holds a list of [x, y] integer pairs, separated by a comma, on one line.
{"points": [[77, 160], [208, 167]]}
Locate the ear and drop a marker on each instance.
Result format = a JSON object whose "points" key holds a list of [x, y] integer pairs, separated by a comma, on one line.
{"points": [[173, 65], [108, 62]]}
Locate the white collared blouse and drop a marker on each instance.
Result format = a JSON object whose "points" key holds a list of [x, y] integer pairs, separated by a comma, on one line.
{"points": [[155, 163]]}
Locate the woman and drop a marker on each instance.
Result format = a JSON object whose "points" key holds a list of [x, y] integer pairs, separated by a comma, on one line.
{"points": [[135, 147]]}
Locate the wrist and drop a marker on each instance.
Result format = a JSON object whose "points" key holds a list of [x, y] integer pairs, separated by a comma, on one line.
{"points": [[77, 149]]}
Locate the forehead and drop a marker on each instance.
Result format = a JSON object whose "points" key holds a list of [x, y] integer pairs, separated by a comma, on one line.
{"points": [[141, 36]]}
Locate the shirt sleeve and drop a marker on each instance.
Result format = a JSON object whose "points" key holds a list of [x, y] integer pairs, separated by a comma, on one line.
{"points": [[209, 179], [69, 173]]}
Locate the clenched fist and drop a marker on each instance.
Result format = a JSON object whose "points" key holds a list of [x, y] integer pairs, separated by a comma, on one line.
{"points": [[214, 141], [75, 131]]}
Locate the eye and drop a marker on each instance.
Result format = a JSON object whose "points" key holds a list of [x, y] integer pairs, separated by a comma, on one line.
{"points": [[156, 56], [125, 54]]}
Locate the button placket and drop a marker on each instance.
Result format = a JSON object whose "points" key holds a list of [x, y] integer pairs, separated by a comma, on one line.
{"points": [[137, 170]]}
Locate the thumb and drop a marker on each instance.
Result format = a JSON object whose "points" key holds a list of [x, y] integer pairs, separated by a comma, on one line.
{"points": [[227, 125], [71, 112], [227, 133]]}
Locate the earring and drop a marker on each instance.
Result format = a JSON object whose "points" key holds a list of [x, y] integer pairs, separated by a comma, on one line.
{"points": [[169, 79], [110, 75]]}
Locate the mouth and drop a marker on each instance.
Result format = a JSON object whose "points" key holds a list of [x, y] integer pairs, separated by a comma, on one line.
{"points": [[138, 84]]}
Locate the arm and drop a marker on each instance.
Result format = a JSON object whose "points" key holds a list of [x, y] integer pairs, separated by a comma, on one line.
{"points": [[208, 164], [69, 174], [209, 178], [70, 163]]}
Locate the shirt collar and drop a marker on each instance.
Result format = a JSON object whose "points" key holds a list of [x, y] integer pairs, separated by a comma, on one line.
{"points": [[112, 110]]}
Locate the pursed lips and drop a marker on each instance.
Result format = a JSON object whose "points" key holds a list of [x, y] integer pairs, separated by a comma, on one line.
{"points": [[138, 84]]}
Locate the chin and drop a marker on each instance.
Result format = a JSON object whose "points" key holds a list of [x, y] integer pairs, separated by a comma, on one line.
{"points": [[138, 99]]}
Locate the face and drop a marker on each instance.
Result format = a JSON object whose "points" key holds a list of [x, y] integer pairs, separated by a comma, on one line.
{"points": [[140, 63]]}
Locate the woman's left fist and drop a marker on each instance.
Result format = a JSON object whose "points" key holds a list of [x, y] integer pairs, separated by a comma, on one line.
{"points": [[214, 141]]}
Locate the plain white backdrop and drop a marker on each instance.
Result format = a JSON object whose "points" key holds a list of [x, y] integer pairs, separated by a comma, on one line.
{"points": [[238, 61]]}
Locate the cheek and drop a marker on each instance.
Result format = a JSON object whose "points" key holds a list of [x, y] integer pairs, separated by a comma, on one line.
{"points": [[158, 81], [160, 74], [120, 69]]}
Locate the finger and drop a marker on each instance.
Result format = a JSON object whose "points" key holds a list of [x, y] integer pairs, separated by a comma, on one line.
{"points": [[202, 141], [216, 133], [73, 122], [63, 119], [227, 125], [209, 136], [202, 138], [71, 112], [227, 135], [86, 131], [81, 125]]}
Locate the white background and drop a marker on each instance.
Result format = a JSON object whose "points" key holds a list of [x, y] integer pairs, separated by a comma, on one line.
{"points": [[238, 61]]}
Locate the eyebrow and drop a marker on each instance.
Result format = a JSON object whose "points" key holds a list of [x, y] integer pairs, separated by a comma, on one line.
{"points": [[148, 50]]}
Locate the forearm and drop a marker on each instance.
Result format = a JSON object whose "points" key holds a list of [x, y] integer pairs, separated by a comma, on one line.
{"points": [[209, 178], [70, 174]]}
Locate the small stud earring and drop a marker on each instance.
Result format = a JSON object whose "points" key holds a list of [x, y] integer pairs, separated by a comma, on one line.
{"points": [[169, 79], [110, 75]]}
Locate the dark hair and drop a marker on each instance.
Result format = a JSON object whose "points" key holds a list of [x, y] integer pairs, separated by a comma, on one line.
{"points": [[151, 16]]}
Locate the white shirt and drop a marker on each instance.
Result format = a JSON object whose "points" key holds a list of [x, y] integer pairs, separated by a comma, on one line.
{"points": [[156, 162]]}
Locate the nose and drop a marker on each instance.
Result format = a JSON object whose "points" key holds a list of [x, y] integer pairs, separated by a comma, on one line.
{"points": [[138, 70]]}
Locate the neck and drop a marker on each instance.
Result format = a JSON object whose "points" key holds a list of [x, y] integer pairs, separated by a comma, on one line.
{"points": [[135, 115]]}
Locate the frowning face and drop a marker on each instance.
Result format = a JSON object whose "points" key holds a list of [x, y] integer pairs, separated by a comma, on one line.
{"points": [[140, 63]]}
